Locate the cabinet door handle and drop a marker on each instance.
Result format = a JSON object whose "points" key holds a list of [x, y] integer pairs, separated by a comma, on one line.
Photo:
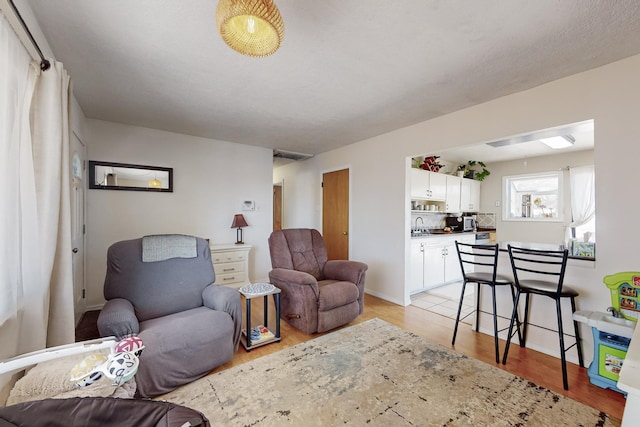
{"points": [[229, 278], [228, 269]]}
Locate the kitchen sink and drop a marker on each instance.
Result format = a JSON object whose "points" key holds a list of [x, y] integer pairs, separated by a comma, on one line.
{"points": [[606, 323]]}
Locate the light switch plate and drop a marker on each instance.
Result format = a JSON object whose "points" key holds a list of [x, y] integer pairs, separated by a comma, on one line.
{"points": [[497, 203]]}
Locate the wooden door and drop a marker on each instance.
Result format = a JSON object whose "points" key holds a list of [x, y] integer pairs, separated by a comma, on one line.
{"points": [[335, 213], [277, 207]]}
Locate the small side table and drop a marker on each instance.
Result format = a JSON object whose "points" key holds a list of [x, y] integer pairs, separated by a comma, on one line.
{"points": [[245, 338]]}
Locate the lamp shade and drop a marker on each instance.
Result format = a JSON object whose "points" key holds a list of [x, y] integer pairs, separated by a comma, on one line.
{"points": [[239, 221], [251, 27]]}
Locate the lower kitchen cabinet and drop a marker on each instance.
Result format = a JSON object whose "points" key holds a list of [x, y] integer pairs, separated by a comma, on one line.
{"points": [[434, 261]]}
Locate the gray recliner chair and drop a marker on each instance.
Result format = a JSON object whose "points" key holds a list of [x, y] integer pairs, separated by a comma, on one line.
{"points": [[188, 325], [317, 294]]}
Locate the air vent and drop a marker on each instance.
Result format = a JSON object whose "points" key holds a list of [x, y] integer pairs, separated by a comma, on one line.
{"points": [[290, 155]]}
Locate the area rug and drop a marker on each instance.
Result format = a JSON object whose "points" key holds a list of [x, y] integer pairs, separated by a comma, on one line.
{"points": [[377, 374]]}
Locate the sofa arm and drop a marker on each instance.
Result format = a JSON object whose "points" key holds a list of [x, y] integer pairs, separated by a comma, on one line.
{"points": [[350, 271], [224, 298], [283, 276], [118, 318]]}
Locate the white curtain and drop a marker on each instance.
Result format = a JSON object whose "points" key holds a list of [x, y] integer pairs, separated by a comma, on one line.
{"points": [[50, 141], [583, 201], [16, 186], [36, 285]]}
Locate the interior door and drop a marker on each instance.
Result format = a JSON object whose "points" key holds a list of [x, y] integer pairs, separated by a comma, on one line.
{"points": [[77, 224], [335, 213], [277, 207]]}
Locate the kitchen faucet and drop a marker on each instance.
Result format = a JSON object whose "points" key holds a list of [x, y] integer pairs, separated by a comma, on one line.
{"points": [[615, 313], [419, 218]]}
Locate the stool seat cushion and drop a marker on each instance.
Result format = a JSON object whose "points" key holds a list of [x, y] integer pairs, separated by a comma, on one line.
{"points": [[544, 287], [487, 278]]}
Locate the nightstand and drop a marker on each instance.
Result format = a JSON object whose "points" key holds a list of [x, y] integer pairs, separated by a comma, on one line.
{"points": [[231, 264]]}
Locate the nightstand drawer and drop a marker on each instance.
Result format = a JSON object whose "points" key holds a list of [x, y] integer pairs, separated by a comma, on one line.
{"points": [[234, 256], [228, 267], [229, 278]]}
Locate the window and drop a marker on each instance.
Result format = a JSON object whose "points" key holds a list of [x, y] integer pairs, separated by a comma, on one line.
{"points": [[533, 197]]}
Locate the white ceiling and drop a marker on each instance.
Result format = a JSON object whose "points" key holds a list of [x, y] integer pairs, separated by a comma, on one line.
{"points": [[347, 70], [524, 146]]}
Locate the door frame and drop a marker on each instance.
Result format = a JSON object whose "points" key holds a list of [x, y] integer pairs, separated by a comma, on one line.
{"points": [[79, 311], [335, 169]]}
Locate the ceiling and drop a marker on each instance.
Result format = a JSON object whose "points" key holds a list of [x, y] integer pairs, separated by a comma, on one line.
{"points": [[348, 70], [524, 146]]}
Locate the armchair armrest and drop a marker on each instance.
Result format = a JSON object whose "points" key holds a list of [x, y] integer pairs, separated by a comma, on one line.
{"points": [[351, 271], [283, 276], [118, 318], [224, 298]]}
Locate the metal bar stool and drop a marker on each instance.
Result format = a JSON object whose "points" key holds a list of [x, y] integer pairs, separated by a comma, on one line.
{"points": [[472, 256], [550, 267]]}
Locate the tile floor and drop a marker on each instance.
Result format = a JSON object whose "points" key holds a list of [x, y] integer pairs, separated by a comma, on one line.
{"points": [[444, 301]]}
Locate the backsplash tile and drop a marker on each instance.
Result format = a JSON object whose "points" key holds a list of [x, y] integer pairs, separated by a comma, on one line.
{"points": [[429, 220], [486, 220]]}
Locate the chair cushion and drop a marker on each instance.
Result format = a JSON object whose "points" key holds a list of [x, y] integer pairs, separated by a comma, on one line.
{"points": [[544, 287], [300, 249], [157, 288], [182, 347], [334, 293]]}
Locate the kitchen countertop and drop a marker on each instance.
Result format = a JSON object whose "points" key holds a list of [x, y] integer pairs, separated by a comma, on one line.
{"points": [[540, 246], [629, 381], [438, 232], [503, 246]]}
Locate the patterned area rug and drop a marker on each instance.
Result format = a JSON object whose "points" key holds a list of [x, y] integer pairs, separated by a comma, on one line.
{"points": [[376, 374]]}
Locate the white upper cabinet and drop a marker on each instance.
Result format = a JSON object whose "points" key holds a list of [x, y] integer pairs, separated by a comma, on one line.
{"points": [[453, 193], [469, 195], [438, 185], [428, 185]]}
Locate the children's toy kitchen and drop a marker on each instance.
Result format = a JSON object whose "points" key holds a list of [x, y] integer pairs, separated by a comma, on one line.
{"points": [[616, 360]]}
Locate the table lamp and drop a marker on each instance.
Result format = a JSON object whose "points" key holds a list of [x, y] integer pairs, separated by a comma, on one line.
{"points": [[239, 222]]}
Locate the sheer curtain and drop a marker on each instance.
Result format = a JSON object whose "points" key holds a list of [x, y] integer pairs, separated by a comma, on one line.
{"points": [[583, 200], [36, 286]]}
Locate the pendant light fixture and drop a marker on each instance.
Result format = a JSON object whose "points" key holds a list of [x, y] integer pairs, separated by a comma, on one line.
{"points": [[155, 183], [251, 27]]}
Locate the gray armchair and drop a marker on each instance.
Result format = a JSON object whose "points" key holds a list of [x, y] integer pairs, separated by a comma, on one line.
{"points": [[188, 325], [317, 294]]}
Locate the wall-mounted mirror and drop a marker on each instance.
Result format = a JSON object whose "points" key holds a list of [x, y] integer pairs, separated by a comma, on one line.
{"points": [[121, 176]]}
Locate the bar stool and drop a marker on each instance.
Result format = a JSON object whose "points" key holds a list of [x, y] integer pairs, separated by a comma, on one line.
{"points": [[471, 256], [541, 272]]}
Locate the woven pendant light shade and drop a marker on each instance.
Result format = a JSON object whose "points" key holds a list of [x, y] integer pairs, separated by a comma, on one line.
{"points": [[251, 27]]}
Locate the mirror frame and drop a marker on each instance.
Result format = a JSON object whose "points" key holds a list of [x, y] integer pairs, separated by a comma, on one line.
{"points": [[94, 186]]}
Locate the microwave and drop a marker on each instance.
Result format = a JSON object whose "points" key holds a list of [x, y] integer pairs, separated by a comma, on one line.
{"points": [[461, 223]]}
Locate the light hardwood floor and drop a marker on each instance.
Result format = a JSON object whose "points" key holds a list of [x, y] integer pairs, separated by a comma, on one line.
{"points": [[537, 367]]}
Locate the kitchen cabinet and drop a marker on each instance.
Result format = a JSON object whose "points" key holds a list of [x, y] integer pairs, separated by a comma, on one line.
{"points": [[469, 195], [416, 272], [452, 201], [427, 185], [434, 261]]}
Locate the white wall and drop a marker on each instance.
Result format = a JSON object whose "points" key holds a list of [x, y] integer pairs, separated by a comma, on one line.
{"points": [[527, 231], [211, 178], [379, 172]]}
